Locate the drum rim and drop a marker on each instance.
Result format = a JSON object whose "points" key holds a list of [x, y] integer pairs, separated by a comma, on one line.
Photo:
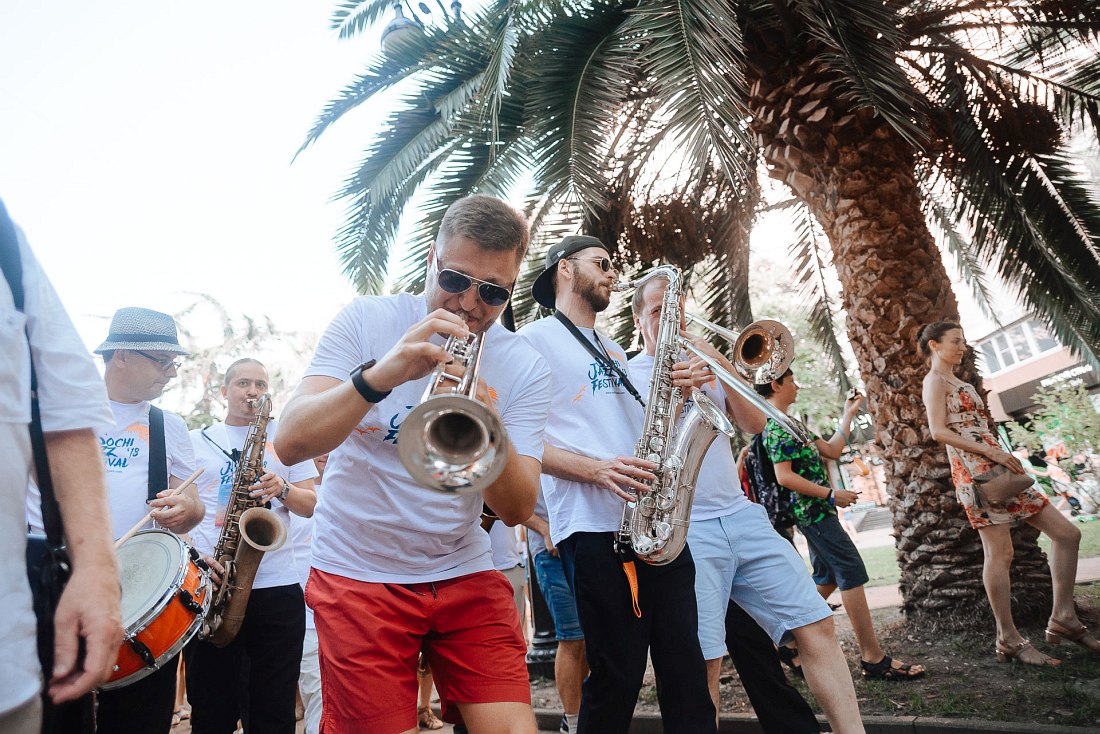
{"points": [[168, 654]]}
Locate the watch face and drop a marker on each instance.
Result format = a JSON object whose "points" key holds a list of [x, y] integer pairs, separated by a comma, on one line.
{"points": [[365, 366]]}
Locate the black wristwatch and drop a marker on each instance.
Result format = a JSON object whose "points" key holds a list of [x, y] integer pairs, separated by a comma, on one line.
{"points": [[369, 393]]}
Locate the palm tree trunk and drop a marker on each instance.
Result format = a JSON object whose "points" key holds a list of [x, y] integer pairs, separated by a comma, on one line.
{"points": [[856, 176]]}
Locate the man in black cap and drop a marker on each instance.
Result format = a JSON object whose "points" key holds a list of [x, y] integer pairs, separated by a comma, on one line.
{"points": [[595, 419], [147, 453]]}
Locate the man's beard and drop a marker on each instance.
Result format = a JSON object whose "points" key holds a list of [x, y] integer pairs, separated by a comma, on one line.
{"points": [[589, 290]]}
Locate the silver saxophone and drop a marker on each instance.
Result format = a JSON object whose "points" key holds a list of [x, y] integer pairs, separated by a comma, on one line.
{"points": [[655, 525]]}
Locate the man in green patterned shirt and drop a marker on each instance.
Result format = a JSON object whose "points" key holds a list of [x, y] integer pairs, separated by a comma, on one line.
{"points": [[836, 561]]}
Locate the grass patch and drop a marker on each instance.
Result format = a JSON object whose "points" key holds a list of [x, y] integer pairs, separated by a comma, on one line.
{"points": [[882, 564]]}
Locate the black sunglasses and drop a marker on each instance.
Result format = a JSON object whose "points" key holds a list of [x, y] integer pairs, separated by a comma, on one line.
{"points": [[455, 282], [605, 263]]}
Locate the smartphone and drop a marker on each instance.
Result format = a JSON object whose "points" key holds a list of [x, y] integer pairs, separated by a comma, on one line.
{"points": [[853, 393]]}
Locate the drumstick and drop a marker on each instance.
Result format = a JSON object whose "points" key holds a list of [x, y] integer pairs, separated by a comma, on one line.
{"points": [[130, 533]]}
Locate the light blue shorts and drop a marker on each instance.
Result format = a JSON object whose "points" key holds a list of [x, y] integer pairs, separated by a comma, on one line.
{"points": [[741, 557]]}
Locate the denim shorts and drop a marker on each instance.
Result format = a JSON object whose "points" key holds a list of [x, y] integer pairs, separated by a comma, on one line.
{"points": [[834, 556], [741, 557], [550, 572]]}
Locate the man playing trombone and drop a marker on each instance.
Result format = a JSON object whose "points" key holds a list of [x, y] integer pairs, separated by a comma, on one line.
{"points": [[397, 567], [740, 558]]}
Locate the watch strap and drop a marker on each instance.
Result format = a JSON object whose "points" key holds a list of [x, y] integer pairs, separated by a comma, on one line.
{"points": [[367, 392]]}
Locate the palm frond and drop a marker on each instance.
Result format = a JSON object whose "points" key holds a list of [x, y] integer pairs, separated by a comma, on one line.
{"points": [[692, 57], [809, 256], [863, 40], [577, 81], [352, 17]]}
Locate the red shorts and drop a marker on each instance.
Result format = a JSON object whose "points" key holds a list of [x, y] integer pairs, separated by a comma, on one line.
{"points": [[370, 636]]}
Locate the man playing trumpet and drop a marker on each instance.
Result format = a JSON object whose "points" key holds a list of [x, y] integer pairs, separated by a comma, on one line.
{"points": [[399, 568]]}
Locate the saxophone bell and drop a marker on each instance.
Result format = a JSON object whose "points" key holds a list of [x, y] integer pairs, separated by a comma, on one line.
{"points": [[451, 441]]}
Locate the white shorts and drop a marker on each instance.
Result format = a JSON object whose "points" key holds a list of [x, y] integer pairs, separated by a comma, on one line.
{"points": [[741, 557]]}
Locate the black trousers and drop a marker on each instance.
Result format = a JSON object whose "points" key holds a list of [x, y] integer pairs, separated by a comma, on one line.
{"points": [[270, 644], [779, 706], [144, 707], [617, 642]]}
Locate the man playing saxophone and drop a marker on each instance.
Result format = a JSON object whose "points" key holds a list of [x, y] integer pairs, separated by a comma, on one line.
{"points": [[271, 633], [591, 433], [399, 568], [740, 558]]}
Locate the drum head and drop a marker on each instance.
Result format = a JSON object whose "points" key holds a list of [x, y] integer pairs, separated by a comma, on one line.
{"points": [[148, 565]]}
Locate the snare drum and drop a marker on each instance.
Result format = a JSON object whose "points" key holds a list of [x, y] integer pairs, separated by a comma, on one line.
{"points": [[165, 597]]}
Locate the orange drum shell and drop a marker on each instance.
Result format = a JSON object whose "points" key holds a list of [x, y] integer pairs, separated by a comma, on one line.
{"points": [[165, 632]]}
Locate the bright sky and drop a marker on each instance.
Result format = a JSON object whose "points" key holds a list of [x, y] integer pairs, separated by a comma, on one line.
{"points": [[146, 153]]}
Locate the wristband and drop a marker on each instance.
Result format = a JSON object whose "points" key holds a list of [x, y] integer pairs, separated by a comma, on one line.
{"points": [[831, 499], [367, 392]]}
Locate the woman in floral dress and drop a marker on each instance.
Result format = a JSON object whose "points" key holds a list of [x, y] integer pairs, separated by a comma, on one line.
{"points": [[956, 418]]}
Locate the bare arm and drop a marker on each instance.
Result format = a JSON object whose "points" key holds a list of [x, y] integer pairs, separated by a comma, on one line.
{"points": [[89, 606], [834, 447], [542, 527], [610, 474], [934, 393], [792, 480], [747, 416], [323, 410], [301, 499], [514, 494]]}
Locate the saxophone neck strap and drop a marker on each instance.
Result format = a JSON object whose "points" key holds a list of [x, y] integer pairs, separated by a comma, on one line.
{"points": [[600, 354], [234, 455]]}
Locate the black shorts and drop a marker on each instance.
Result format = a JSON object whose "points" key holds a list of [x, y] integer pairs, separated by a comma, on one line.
{"points": [[834, 556]]}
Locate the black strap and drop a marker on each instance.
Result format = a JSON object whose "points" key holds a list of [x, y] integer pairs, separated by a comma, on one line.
{"points": [[233, 456], [600, 354], [12, 265], [158, 456]]}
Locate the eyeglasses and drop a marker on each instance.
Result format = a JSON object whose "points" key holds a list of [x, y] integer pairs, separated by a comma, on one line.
{"points": [[455, 282], [164, 363], [605, 263]]}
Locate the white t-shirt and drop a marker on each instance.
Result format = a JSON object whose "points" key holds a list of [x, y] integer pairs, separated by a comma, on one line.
{"points": [[505, 546], [277, 568], [125, 448], [717, 489], [593, 415], [301, 537], [71, 396], [375, 523], [535, 542]]}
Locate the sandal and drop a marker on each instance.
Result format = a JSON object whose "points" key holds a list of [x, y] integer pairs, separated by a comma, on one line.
{"points": [[1057, 634], [426, 718], [787, 656], [175, 720], [1025, 652], [886, 670]]}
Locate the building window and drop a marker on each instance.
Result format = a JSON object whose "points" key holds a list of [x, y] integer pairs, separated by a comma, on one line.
{"points": [[1021, 342]]}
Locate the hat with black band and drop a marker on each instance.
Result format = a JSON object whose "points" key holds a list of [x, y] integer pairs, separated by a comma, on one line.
{"points": [[142, 329]]}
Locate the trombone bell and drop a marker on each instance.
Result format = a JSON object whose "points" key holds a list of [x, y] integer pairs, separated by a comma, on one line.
{"points": [[762, 351]]}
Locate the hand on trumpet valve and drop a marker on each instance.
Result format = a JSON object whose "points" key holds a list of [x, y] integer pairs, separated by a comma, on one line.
{"points": [[415, 355]]}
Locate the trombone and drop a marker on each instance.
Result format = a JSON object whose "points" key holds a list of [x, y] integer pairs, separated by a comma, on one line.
{"points": [[451, 441], [762, 352]]}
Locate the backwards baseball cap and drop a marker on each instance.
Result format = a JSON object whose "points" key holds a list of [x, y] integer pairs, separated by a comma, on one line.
{"points": [[543, 289]]}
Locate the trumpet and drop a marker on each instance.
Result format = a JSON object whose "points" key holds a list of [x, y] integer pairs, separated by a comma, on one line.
{"points": [[451, 441], [762, 351]]}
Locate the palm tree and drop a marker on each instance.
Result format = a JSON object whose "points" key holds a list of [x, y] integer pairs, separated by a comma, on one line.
{"points": [[897, 124]]}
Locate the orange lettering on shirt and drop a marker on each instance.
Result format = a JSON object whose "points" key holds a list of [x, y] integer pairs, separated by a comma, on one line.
{"points": [[580, 394]]}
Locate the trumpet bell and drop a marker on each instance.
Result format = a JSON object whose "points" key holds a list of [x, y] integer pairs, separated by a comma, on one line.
{"points": [[452, 443]]}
